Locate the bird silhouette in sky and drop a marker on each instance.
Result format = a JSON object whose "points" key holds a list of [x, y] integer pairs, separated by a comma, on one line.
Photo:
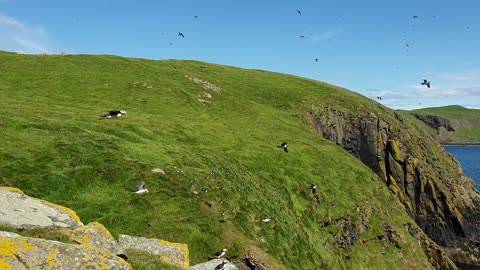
{"points": [[316, 59], [425, 82], [299, 12], [180, 34]]}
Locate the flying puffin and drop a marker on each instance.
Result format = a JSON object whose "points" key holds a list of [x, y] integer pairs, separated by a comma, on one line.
{"points": [[113, 115], [425, 82], [284, 146], [141, 186], [221, 253]]}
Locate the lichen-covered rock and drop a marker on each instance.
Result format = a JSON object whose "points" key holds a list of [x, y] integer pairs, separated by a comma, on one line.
{"points": [[22, 212], [170, 253], [215, 264], [93, 234], [17, 252]]}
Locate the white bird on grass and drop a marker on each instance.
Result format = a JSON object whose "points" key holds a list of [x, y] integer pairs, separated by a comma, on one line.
{"points": [[141, 186]]}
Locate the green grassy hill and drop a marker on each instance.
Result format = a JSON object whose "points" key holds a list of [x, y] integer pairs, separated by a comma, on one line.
{"points": [[214, 130], [466, 123]]}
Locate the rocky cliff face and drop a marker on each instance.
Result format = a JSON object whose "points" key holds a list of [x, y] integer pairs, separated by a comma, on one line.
{"points": [[426, 179]]}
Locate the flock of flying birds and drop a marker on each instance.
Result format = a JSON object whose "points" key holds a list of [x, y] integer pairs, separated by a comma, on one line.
{"points": [[299, 12]]}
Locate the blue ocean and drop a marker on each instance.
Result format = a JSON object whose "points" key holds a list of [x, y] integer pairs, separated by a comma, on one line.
{"points": [[469, 158]]}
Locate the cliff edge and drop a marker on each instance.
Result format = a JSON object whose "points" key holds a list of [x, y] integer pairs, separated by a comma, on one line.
{"points": [[427, 180]]}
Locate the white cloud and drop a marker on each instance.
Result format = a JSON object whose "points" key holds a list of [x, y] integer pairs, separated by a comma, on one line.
{"points": [[466, 76], [433, 92], [323, 36], [318, 37], [19, 36], [418, 98]]}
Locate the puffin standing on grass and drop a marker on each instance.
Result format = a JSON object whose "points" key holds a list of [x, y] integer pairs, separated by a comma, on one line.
{"points": [[221, 253], [113, 115]]}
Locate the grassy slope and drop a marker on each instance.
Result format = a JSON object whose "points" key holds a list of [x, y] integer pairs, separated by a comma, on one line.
{"points": [[469, 120], [53, 147]]}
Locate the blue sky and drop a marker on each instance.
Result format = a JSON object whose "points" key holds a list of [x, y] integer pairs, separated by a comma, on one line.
{"points": [[360, 45]]}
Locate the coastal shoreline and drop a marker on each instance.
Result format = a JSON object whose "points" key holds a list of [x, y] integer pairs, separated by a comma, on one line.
{"points": [[461, 144]]}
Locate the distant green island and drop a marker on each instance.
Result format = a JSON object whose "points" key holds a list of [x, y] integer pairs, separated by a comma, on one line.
{"points": [[449, 124]]}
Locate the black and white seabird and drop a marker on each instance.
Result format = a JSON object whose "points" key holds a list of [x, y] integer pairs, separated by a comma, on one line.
{"points": [[266, 219], [299, 12], [141, 186], [221, 253], [113, 114], [180, 34], [425, 82], [313, 187], [284, 146], [379, 98], [221, 265]]}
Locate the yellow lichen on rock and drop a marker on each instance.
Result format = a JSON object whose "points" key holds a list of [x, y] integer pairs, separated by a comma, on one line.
{"points": [[184, 248], [34, 253], [171, 253], [64, 209], [396, 153], [11, 189], [93, 234]]}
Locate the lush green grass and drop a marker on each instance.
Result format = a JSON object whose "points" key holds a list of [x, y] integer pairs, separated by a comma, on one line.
{"points": [[53, 147], [466, 122]]}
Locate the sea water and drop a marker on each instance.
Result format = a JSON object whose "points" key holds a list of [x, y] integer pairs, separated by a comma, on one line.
{"points": [[469, 158]]}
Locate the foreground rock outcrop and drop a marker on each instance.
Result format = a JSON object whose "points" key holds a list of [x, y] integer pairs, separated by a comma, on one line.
{"points": [[90, 246], [170, 253], [22, 212], [216, 264], [426, 179], [17, 252]]}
